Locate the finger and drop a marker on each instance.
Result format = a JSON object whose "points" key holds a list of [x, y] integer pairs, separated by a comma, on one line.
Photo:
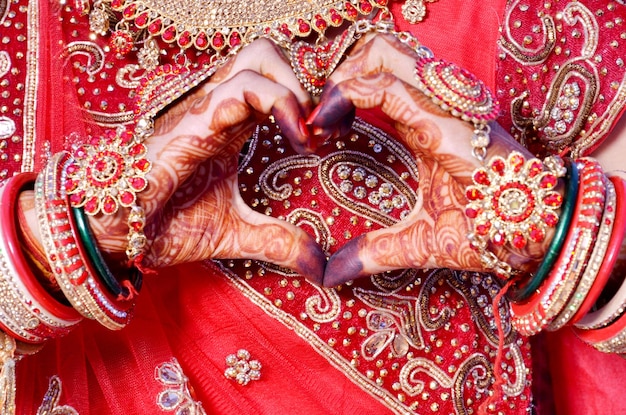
{"points": [[264, 238], [424, 127], [216, 223], [381, 53], [417, 242], [265, 58], [216, 125]]}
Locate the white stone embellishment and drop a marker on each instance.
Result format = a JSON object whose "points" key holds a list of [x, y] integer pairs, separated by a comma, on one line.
{"points": [[176, 396], [5, 63], [7, 127], [241, 368]]}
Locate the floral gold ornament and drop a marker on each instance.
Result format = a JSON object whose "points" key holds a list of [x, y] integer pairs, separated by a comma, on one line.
{"points": [[461, 93], [241, 368], [513, 201], [414, 11], [107, 172], [456, 90]]}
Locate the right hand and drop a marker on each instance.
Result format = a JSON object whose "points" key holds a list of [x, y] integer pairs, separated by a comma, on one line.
{"points": [[193, 207]]}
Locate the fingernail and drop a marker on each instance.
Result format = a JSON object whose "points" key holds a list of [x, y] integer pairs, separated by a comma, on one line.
{"points": [[313, 115], [302, 126]]}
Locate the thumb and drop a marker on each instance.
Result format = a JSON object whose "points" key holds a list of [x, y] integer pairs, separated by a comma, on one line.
{"points": [[419, 241], [264, 238]]}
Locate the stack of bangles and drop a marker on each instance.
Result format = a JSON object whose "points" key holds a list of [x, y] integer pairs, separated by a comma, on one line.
{"points": [[70, 260], [515, 200]]}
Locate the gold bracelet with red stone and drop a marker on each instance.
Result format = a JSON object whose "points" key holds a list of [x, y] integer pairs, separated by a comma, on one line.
{"points": [[536, 313], [27, 311], [576, 307], [66, 254], [107, 172]]}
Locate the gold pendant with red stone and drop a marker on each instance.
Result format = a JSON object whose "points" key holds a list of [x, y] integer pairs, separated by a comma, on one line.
{"points": [[107, 172], [513, 200]]}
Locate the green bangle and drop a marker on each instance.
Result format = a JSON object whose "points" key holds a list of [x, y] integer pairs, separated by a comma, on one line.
{"points": [[520, 293], [95, 256]]}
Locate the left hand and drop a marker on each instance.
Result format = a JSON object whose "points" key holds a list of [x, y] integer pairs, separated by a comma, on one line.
{"points": [[380, 73]]}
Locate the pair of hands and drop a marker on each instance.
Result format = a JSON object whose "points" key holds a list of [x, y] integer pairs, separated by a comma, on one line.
{"points": [[193, 206]]}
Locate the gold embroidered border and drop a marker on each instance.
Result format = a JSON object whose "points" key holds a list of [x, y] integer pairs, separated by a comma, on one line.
{"points": [[32, 82], [318, 344]]}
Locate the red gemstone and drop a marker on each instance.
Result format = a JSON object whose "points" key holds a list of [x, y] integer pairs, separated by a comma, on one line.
{"points": [[303, 27], [483, 228], [320, 23], [284, 29], [498, 166], [553, 199], [517, 162], [77, 198], [141, 20], [201, 41], [169, 35], [535, 168], [117, 4], [550, 219], [109, 205], [138, 183], [137, 149], [126, 137], [142, 165], [335, 17], [154, 27], [92, 205], [351, 11], [70, 185], [127, 198], [536, 234], [474, 194], [548, 181], [234, 39], [471, 213], [518, 240], [481, 177], [184, 39], [366, 7], [130, 11], [218, 41], [137, 226]]}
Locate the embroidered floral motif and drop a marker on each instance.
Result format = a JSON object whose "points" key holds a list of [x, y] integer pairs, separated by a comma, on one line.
{"points": [[241, 368], [50, 404], [176, 396]]}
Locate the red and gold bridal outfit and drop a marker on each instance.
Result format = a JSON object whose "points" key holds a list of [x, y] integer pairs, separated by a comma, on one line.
{"points": [[408, 342]]}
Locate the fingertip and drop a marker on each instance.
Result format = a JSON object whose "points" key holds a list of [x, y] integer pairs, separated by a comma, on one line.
{"points": [[329, 113], [312, 263], [345, 264]]}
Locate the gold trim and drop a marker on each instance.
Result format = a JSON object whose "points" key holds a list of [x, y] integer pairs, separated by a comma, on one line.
{"points": [[31, 90], [335, 359]]}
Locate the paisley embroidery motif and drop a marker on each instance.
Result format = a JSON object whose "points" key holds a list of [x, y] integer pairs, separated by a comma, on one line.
{"points": [[564, 95], [418, 341], [175, 396]]}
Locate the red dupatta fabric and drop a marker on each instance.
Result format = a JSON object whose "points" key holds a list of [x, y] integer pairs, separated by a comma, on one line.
{"points": [[200, 313]]}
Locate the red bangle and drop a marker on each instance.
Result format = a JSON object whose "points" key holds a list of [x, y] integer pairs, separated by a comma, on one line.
{"points": [[579, 303], [544, 306], [611, 310], [28, 311], [67, 256]]}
